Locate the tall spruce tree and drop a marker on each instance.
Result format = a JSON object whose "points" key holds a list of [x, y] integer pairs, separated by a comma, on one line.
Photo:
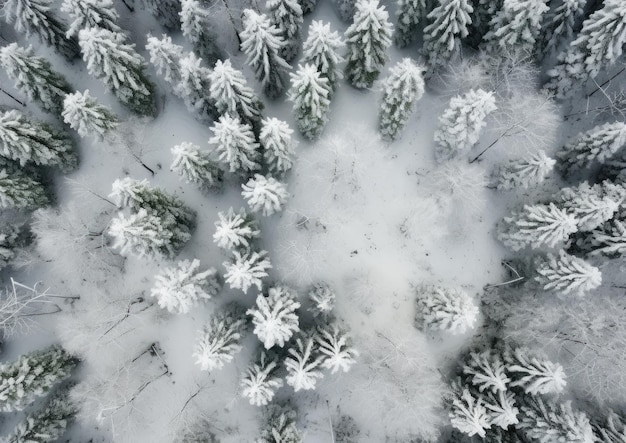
{"points": [[165, 56], [19, 190], [91, 14], [235, 145], [559, 25], [410, 14], [219, 341], [85, 115], [278, 145], [195, 166], [286, 15], [196, 24], [167, 12], [310, 93], [546, 420], [368, 39], [566, 274], [194, 87], [321, 49]]}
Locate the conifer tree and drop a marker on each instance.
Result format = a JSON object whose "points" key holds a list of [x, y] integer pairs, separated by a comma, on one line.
{"points": [[346, 9], [610, 239], [468, 414], [280, 427], [235, 231], [196, 24], [47, 424], [516, 27], [262, 44], [445, 309], [323, 298], [91, 14], [235, 145], [219, 341], [566, 274], [165, 56], [31, 141], [501, 407], [310, 94], [34, 77], [484, 12], [598, 45], [85, 115], [536, 226], [195, 166], [487, 372], [180, 288], [35, 17], [19, 190], [532, 374], [32, 376], [448, 24], [410, 14], [591, 205], [286, 15], [119, 67], [367, 39], [9, 241], [303, 364], [232, 95], [247, 269], [274, 317], [264, 194], [194, 87], [461, 123], [594, 146], [559, 25], [401, 90], [546, 421], [524, 172], [261, 382], [334, 345], [167, 12], [321, 49], [277, 144], [610, 429], [307, 6]]}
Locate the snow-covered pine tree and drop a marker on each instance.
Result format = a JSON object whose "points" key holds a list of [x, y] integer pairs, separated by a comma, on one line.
{"points": [[501, 409], [31, 141], [445, 309], [47, 424], [236, 231], [19, 190], [536, 226], [484, 12], [346, 9], [546, 421], [180, 288], [119, 67], [194, 87], [34, 77], [486, 371], [277, 144], [310, 94], [532, 374], [467, 413], [195, 166], [247, 269], [321, 49], [286, 15], [196, 24], [274, 317], [367, 39], [410, 14], [235, 145], [32, 376], [323, 299], [609, 240], [165, 56], [9, 241], [35, 17], [610, 429], [303, 365], [167, 12], [265, 194], [219, 341], [461, 123], [516, 27], [592, 205], [335, 347], [262, 43], [594, 146], [401, 90], [307, 6], [281, 426], [448, 24], [85, 115], [598, 45], [261, 382], [144, 234], [566, 274], [91, 14], [525, 172], [559, 25], [232, 95]]}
